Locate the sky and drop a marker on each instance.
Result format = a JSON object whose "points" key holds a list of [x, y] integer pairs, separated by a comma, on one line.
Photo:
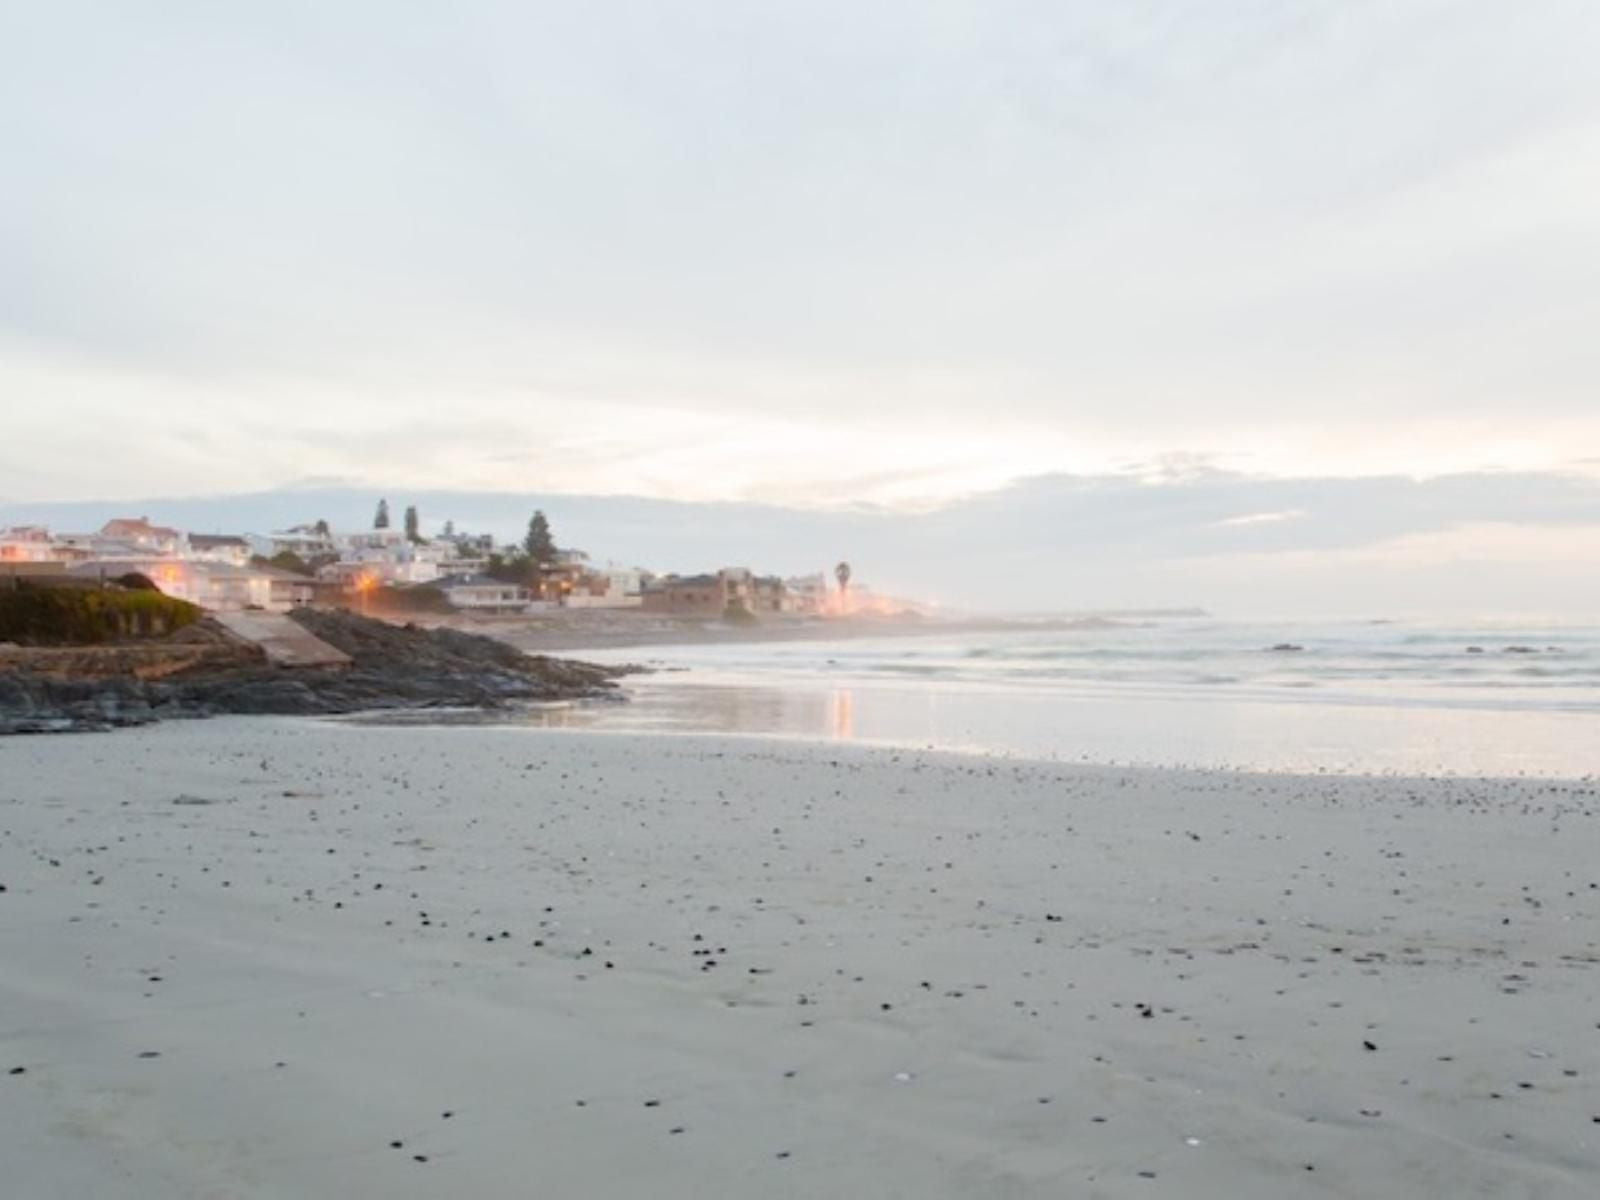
{"points": [[808, 255]]}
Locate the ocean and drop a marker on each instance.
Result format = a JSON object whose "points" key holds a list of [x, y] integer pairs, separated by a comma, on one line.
{"points": [[1356, 697]]}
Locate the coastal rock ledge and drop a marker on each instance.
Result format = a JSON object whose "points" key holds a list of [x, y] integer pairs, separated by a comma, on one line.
{"points": [[206, 670]]}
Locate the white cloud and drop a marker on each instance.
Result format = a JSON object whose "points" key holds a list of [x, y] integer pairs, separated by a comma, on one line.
{"points": [[1262, 518], [1478, 543], [886, 253]]}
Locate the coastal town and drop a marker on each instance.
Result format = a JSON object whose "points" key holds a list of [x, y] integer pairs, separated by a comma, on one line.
{"points": [[395, 571]]}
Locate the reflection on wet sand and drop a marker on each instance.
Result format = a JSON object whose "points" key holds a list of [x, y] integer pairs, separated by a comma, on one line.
{"points": [[1108, 729], [1124, 729], [842, 710], [795, 712]]}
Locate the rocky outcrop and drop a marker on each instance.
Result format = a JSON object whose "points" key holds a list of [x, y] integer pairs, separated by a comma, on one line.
{"points": [[194, 649], [208, 672]]}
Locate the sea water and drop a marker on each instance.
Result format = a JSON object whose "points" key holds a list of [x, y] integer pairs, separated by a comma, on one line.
{"points": [[1486, 699]]}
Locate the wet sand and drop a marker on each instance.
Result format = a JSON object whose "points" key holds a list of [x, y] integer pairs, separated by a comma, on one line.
{"points": [[257, 957]]}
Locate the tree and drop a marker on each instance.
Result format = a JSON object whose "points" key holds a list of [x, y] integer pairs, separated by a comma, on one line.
{"points": [[539, 546], [288, 560], [322, 529], [511, 567], [413, 527], [381, 520]]}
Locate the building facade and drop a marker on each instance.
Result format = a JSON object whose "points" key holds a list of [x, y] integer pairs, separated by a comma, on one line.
{"points": [[730, 589], [479, 593], [26, 543], [147, 538], [222, 548]]}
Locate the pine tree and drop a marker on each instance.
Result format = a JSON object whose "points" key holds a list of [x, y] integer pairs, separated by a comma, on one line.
{"points": [[381, 520], [539, 545]]}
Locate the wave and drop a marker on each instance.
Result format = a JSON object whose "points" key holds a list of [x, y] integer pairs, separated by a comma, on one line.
{"points": [[1393, 664]]}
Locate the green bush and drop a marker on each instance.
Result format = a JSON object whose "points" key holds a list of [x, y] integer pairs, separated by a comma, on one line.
{"points": [[31, 615]]}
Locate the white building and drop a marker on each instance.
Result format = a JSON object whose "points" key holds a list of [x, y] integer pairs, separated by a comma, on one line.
{"points": [[607, 587], [479, 593], [806, 595], [384, 557], [26, 543], [97, 547], [221, 548], [303, 544], [215, 586], [147, 538]]}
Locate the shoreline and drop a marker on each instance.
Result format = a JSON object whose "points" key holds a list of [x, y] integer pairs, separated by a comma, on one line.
{"points": [[621, 629], [689, 966], [504, 721], [1260, 734]]}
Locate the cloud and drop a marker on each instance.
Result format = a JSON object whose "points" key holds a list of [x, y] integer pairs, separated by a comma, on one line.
{"points": [[1479, 543], [1262, 518], [889, 254]]}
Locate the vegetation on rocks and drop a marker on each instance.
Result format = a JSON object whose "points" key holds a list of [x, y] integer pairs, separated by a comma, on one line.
{"points": [[34, 615]]}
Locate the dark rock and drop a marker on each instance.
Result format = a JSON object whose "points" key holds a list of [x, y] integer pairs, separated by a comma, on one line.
{"points": [[392, 667]]}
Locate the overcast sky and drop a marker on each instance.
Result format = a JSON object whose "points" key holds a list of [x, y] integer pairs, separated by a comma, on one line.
{"points": [[804, 253]]}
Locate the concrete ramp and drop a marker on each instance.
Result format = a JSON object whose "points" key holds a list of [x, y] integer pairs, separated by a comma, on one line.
{"points": [[286, 643]]}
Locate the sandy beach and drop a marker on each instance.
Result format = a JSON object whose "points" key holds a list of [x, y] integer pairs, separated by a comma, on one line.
{"points": [[277, 957]]}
